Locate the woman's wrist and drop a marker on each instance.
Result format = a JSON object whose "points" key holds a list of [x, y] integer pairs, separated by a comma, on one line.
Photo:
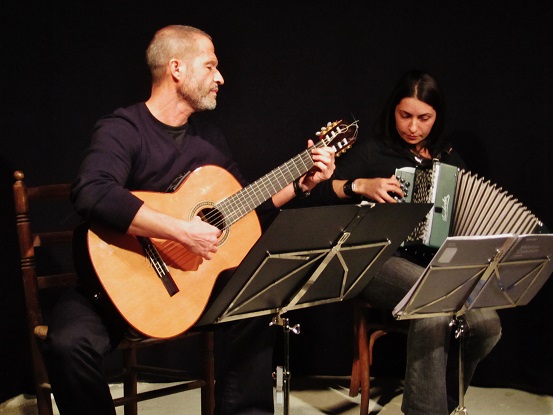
{"points": [[349, 189], [299, 191]]}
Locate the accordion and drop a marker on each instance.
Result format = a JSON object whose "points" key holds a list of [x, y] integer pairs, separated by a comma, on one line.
{"points": [[464, 205]]}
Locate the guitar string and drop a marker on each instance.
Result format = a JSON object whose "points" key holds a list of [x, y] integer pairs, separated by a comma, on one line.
{"points": [[330, 136], [247, 199], [243, 198], [240, 200], [246, 194]]}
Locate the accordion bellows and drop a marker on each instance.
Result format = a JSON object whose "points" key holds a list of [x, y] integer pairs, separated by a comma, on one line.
{"points": [[464, 205]]}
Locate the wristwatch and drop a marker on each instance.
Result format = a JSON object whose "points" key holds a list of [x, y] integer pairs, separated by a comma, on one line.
{"points": [[349, 188], [300, 194]]}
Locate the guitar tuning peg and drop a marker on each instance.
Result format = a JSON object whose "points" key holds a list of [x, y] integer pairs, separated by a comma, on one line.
{"points": [[329, 125]]}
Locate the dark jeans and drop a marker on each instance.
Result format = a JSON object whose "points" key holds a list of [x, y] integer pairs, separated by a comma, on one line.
{"points": [[431, 377]]}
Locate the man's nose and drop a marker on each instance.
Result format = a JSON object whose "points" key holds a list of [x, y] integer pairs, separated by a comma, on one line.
{"points": [[219, 78]]}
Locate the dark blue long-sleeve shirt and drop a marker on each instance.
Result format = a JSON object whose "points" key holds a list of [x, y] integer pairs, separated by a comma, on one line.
{"points": [[131, 150]]}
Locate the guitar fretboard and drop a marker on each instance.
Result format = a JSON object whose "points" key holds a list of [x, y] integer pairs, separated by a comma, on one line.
{"points": [[243, 202], [253, 195]]}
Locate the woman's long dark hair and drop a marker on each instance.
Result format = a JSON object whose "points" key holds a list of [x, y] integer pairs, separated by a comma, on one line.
{"points": [[422, 86]]}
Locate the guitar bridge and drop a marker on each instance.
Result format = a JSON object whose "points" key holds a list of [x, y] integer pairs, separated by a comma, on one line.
{"points": [[159, 265]]}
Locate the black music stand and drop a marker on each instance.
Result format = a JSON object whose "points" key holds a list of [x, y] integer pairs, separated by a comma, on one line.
{"points": [[308, 257], [473, 272]]}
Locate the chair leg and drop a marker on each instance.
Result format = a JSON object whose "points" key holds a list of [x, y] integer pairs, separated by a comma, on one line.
{"points": [[130, 380], [362, 359], [44, 401], [208, 391], [359, 344], [366, 374], [42, 387], [364, 363]]}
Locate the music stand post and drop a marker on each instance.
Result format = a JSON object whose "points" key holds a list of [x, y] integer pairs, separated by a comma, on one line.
{"points": [[459, 333], [308, 257], [494, 272], [282, 374]]}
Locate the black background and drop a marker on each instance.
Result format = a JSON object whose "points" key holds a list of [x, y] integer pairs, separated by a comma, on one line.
{"points": [[289, 67]]}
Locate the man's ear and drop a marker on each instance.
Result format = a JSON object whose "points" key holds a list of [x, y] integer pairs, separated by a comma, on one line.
{"points": [[177, 68]]}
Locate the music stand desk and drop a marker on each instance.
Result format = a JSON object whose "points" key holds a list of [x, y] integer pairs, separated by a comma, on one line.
{"points": [[312, 256], [308, 257], [471, 272]]}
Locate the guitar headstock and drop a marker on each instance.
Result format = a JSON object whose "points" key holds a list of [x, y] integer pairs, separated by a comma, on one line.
{"points": [[338, 135]]}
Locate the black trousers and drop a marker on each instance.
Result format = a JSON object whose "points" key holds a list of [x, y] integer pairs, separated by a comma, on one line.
{"points": [[79, 338], [244, 367], [77, 342]]}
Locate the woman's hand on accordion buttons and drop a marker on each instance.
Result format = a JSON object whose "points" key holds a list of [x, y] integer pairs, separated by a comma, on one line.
{"points": [[379, 189]]}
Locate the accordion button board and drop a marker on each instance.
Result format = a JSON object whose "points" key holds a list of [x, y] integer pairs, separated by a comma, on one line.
{"points": [[464, 205]]}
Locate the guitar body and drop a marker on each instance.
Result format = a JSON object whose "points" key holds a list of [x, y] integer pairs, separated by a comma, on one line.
{"points": [[131, 282]]}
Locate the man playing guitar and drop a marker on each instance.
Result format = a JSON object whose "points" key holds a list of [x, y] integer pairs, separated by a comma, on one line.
{"points": [[143, 148]]}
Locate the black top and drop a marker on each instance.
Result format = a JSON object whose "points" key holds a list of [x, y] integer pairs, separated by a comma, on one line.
{"points": [[132, 150], [371, 158]]}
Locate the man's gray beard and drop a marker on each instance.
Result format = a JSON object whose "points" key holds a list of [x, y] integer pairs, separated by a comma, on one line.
{"points": [[202, 103], [199, 103]]}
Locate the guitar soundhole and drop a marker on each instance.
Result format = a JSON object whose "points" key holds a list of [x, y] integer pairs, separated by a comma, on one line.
{"points": [[213, 217]]}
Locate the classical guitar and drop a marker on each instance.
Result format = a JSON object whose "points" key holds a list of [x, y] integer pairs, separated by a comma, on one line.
{"points": [[161, 288]]}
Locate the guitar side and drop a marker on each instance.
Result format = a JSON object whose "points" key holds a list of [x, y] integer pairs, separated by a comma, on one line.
{"points": [[130, 280]]}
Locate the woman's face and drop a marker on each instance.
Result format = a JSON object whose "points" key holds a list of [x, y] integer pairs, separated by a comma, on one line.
{"points": [[414, 120]]}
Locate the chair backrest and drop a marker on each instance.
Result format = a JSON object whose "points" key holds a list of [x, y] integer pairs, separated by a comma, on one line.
{"points": [[45, 255], [45, 221], [46, 240]]}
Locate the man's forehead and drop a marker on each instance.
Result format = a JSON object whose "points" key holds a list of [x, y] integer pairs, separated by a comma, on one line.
{"points": [[206, 51]]}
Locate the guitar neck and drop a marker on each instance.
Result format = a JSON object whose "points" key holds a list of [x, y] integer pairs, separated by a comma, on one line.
{"points": [[253, 195]]}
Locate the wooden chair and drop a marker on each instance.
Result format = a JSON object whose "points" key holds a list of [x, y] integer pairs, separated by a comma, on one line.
{"points": [[365, 334], [37, 285]]}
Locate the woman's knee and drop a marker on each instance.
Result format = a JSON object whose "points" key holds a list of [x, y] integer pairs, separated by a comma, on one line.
{"points": [[432, 331], [484, 326]]}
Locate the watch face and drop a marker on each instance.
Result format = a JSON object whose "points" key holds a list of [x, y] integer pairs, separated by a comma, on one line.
{"points": [[348, 189], [300, 194]]}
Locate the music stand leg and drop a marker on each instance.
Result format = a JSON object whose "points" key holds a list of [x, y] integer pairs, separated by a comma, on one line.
{"points": [[283, 374], [459, 334]]}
